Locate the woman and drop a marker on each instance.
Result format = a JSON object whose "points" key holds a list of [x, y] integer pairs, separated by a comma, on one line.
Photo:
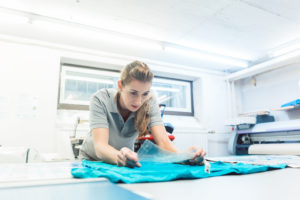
{"points": [[118, 117]]}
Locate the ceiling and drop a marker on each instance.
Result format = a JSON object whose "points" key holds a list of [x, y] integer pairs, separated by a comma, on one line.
{"points": [[242, 29]]}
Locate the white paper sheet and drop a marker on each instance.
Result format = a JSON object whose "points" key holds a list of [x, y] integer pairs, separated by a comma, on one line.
{"points": [[291, 161]]}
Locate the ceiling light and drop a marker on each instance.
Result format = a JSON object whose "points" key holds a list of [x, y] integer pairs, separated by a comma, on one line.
{"points": [[272, 64], [285, 48], [216, 50], [94, 32], [288, 56], [207, 56], [12, 18]]}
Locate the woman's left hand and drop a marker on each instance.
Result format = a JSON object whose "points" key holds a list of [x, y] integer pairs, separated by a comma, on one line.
{"points": [[198, 158]]}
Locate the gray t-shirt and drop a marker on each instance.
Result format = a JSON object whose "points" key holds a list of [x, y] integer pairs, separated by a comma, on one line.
{"points": [[104, 114]]}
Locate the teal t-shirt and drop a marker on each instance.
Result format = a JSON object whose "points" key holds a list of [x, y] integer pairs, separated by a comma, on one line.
{"points": [[156, 172]]}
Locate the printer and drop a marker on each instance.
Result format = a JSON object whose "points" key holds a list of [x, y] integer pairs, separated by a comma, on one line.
{"points": [[281, 137]]}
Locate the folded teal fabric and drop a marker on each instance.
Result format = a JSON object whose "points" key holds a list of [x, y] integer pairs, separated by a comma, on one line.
{"points": [[156, 172]]}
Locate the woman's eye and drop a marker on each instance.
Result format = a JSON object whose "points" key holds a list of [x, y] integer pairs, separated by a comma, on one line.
{"points": [[133, 93], [146, 94]]}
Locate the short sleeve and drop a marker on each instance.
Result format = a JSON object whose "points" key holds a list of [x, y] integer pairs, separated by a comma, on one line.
{"points": [[98, 114], [155, 114]]}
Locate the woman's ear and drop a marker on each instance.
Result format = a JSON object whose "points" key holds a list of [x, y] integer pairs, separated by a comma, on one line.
{"points": [[119, 84]]}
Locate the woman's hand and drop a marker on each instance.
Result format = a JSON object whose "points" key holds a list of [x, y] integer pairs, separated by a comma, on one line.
{"points": [[127, 158], [198, 158]]}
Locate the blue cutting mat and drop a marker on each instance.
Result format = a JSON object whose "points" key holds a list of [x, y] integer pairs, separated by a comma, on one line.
{"points": [[156, 172]]}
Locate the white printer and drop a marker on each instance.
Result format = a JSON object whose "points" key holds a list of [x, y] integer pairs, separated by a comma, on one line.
{"points": [[282, 137]]}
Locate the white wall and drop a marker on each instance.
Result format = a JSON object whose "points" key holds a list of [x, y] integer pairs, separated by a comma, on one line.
{"points": [[215, 103], [28, 85], [272, 89], [31, 71]]}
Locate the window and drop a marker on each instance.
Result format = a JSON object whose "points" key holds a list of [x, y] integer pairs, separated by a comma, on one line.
{"points": [[175, 94], [77, 84]]}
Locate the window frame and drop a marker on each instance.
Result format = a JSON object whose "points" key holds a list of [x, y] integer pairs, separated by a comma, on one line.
{"points": [[62, 104], [180, 113]]}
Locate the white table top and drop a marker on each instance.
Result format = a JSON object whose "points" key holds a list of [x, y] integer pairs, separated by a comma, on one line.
{"points": [[13, 174], [277, 184], [283, 184]]}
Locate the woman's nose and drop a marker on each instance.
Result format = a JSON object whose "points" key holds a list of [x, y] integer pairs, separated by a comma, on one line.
{"points": [[138, 101]]}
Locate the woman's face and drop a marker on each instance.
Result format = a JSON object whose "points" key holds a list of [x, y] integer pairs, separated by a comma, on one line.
{"points": [[134, 94]]}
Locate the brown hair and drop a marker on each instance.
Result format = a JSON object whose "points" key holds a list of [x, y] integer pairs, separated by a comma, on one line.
{"points": [[138, 71]]}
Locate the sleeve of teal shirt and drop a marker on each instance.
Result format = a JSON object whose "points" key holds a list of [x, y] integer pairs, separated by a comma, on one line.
{"points": [[155, 118], [98, 115]]}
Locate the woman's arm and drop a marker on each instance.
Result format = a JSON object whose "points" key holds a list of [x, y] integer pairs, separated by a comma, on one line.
{"points": [[160, 136], [103, 150], [108, 154]]}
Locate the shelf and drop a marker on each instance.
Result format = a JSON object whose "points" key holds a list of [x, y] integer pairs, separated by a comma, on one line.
{"points": [[287, 108], [255, 113], [267, 112]]}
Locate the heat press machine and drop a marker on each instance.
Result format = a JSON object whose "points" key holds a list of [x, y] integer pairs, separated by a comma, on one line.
{"points": [[280, 137], [76, 141]]}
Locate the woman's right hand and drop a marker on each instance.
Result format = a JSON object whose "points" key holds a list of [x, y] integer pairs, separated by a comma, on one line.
{"points": [[127, 158]]}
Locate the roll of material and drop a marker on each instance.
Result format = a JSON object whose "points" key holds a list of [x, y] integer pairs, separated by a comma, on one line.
{"points": [[275, 149]]}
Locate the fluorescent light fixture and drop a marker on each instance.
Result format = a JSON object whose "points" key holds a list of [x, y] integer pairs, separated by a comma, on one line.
{"points": [[288, 56], [215, 50], [206, 56], [165, 89], [272, 64], [50, 25], [13, 18], [94, 32], [66, 28], [285, 50]]}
